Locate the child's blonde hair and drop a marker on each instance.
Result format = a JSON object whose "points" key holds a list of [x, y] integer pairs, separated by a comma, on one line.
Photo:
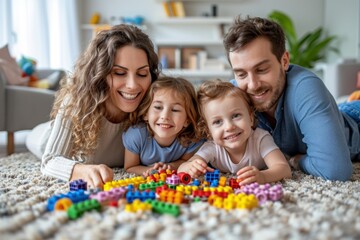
{"points": [[185, 90], [217, 89]]}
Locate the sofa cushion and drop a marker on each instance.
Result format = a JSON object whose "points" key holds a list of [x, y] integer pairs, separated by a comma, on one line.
{"points": [[11, 69]]}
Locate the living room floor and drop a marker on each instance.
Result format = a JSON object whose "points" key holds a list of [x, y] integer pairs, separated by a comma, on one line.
{"points": [[20, 138]]}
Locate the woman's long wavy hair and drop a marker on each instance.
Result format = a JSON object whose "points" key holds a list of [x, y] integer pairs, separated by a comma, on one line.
{"points": [[184, 90], [86, 90], [217, 89]]}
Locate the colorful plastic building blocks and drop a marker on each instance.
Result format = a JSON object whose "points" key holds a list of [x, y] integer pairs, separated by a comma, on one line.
{"points": [[163, 192], [234, 183], [151, 185], [196, 182], [173, 180], [75, 197], [108, 196], [201, 193], [240, 201], [222, 181], [142, 196], [137, 205], [214, 183], [187, 190], [171, 196], [211, 176], [184, 178], [263, 192], [76, 210], [62, 204], [124, 182], [77, 185], [161, 207]]}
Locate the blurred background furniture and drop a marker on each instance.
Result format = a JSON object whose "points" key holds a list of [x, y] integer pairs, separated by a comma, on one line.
{"points": [[23, 107], [342, 78]]}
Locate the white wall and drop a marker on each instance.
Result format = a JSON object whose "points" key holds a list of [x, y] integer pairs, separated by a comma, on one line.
{"points": [[339, 18], [152, 11], [342, 19]]}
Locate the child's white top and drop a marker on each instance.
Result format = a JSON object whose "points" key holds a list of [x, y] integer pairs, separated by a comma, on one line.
{"points": [[260, 143]]}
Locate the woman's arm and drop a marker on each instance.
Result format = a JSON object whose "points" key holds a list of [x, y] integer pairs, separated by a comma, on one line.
{"points": [[56, 163], [56, 160]]}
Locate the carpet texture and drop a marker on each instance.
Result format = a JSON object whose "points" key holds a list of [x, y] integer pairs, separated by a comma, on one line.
{"points": [[311, 208]]}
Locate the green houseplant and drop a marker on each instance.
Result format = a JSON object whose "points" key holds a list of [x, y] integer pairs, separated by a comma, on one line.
{"points": [[308, 49]]}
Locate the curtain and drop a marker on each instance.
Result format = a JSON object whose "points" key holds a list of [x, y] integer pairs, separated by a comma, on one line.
{"points": [[46, 31], [5, 23]]}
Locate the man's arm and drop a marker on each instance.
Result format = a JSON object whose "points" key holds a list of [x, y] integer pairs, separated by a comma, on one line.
{"points": [[320, 122]]}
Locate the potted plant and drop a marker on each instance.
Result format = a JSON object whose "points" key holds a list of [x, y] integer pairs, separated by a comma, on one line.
{"points": [[308, 49]]}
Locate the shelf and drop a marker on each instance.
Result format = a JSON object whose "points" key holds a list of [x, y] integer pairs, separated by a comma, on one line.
{"points": [[181, 43], [187, 73], [94, 26], [196, 20], [209, 1]]}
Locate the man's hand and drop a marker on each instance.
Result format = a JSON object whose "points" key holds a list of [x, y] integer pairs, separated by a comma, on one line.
{"points": [[94, 175]]}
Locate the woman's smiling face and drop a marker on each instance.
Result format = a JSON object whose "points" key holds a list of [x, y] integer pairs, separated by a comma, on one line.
{"points": [[129, 80]]}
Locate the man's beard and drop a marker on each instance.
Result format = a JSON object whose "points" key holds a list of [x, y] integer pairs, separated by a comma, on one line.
{"points": [[276, 92]]}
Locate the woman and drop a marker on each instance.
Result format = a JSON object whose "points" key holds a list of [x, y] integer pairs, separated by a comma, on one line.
{"points": [[90, 110]]}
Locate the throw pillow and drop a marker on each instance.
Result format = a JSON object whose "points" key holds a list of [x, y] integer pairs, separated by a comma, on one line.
{"points": [[10, 68]]}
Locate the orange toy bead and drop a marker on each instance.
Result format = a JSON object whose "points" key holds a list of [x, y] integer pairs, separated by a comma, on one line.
{"points": [[62, 204]]}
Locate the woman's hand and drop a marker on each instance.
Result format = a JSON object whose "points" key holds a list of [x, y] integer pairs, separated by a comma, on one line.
{"points": [[94, 175], [248, 175]]}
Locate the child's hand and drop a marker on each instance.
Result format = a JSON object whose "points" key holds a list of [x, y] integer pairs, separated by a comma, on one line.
{"points": [[94, 175], [157, 166], [198, 167], [248, 175]]}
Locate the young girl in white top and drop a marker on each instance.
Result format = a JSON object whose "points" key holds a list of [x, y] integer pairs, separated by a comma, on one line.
{"points": [[109, 81], [164, 134], [235, 145]]}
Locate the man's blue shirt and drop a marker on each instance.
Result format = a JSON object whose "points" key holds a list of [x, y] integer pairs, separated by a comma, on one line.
{"points": [[309, 122]]}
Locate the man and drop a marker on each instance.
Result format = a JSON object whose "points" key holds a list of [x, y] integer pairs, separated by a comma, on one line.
{"points": [[292, 103]]}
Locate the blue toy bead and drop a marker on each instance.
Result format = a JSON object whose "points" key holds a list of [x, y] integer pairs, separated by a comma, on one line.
{"points": [[28, 68]]}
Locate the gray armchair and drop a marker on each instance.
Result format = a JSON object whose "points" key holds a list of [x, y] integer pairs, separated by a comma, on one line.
{"points": [[22, 107]]}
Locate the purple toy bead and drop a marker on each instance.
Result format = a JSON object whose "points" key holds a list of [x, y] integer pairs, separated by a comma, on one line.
{"points": [[262, 197]]}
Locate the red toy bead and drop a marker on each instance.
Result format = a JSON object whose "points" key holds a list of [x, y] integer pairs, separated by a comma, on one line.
{"points": [[184, 178]]}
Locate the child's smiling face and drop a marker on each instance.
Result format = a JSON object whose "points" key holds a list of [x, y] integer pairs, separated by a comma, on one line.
{"points": [[229, 121], [167, 116]]}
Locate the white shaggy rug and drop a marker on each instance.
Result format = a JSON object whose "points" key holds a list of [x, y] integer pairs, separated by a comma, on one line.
{"points": [[311, 209]]}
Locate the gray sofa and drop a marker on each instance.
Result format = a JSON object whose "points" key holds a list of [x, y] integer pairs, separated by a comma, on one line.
{"points": [[22, 107]]}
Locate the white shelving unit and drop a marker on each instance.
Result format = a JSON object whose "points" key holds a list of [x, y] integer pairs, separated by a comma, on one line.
{"points": [[196, 20], [93, 26], [183, 43], [214, 29], [198, 73]]}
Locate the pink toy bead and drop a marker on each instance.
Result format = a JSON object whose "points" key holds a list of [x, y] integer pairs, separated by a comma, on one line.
{"points": [[262, 197]]}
